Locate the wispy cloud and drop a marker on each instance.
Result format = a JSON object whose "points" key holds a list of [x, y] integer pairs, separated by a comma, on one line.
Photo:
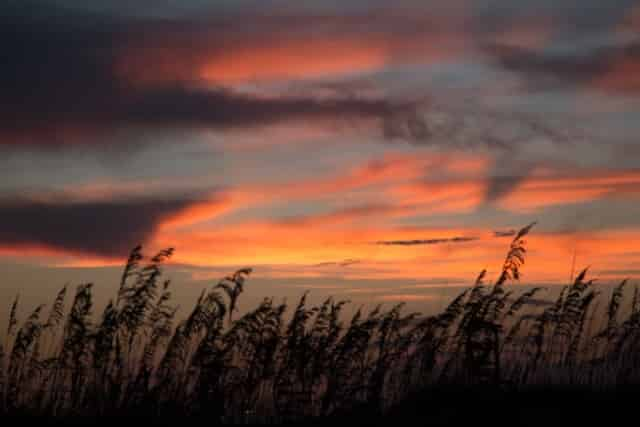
{"points": [[345, 263], [508, 233], [426, 241], [542, 190]]}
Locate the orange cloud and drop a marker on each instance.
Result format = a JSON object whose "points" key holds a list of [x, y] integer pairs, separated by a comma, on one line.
{"points": [[296, 59], [201, 211], [538, 192], [45, 255], [389, 171], [442, 197], [344, 45], [393, 175]]}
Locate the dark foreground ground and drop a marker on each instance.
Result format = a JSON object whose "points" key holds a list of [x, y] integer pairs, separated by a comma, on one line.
{"points": [[451, 407], [540, 407]]}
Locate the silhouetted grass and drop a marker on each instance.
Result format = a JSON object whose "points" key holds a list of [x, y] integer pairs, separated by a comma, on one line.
{"points": [[258, 367]]}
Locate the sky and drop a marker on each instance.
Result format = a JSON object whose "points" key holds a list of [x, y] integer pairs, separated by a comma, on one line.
{"points": [[372, 150]]}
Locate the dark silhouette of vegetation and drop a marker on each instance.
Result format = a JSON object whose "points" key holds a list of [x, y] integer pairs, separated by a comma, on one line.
{"points": [[270, 366]]}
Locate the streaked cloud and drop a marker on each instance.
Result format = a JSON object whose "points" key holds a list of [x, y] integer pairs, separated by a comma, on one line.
{"points": [[426, 241], [542, 190], [508, 233], [344, 263]]}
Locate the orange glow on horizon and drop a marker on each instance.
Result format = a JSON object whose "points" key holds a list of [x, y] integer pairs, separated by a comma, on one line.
{"points": [[383, 192], [289, 252]]}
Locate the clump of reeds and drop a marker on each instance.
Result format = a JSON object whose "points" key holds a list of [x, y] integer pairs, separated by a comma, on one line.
{"points": [[136, 357]]}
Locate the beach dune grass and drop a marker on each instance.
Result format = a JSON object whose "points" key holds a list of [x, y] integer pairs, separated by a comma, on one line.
{"points": [[276, 363]]}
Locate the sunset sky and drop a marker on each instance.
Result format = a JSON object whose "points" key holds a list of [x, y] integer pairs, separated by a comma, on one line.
{"points": [[373, 150]]}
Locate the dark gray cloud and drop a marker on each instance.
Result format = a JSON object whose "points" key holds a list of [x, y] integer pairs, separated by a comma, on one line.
{"points": [[500, 186], [579, 40], [103, 228], [507, 172], [62, 80], [508, 233], [568, 17], [471, 124], [580, 66], [426, 241]]}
